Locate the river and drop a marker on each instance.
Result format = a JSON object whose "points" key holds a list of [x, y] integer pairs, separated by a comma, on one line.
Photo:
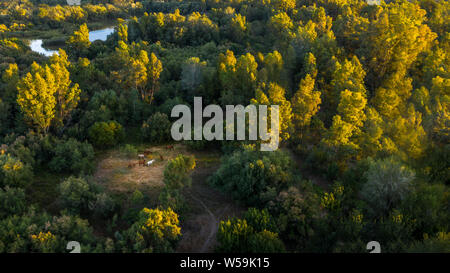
{"points": [[101, 34]]}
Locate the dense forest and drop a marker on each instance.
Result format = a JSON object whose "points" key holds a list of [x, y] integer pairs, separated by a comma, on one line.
{"points": [[364, 96]]}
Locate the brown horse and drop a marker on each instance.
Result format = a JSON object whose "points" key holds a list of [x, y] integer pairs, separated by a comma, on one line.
{"points": [[169, 147]]}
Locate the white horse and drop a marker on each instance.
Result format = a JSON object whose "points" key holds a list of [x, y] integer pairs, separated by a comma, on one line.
{"points": [[150, 162]]}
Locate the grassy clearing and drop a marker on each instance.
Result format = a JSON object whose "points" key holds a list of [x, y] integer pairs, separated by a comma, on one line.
{"points": [[113, 171], [43, 191]]}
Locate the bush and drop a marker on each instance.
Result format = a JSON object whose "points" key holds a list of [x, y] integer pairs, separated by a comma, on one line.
{"points": [[32, 149], [106, 134], [176, 173], [428, 205], [157, 128], [75, 194], [253, 234], [260, 219], [13, 172], [73, 157], [233, 236], [388, 183], [106, 105], [437, 244], [12, 202], [265, 242], [103, 206], [173, 199], [297, 210], [155, 231], [254, 177], [40, 232]]}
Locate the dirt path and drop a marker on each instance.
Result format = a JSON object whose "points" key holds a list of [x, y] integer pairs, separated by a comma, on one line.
{"points": [[209, 206], [213, 225]]}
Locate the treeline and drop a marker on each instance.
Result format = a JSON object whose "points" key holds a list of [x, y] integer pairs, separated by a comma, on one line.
{"points": [[45, 15], [363, 92]]}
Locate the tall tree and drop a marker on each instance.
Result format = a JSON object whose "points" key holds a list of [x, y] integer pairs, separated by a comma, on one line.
{"points": [[46, 95], [305, 103], [154, 70], [67, 94], [79, 41], [273, 94], [36, 97]]}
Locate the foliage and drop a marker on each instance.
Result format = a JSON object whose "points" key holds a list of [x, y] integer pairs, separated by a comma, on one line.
{"points": [[157, 128], [254, 177], [155, 231], [106, 134], [176, 173], [363, 94], [12, 202], [79, 41], [388, 183], [24, 233], [45, 95], [75, 194], [13, 172], [240, 236], [73, 157]]}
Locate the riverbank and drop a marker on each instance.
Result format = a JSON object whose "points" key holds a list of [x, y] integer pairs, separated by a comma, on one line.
{"points": [[49, 48], [47, 42], [66, 31], [56, 38]]}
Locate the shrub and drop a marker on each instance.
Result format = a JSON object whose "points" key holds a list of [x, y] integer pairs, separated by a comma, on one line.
{"points": [[173, 199], [75, 194], [260, 219], [253, 234], [233, 236], [73, 157], [388, 182], [106, 134], [254, 177], [176, 173], [13, 172], [137, 199], [436, 244], [12, 202], [40, 232], [155, 231], [157, 128], [103, 206], [297, 210], [265, 242], [106, 105], [428, 205]]}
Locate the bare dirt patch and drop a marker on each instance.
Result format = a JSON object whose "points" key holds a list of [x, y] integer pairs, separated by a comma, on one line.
{"points": [[114, 174]]}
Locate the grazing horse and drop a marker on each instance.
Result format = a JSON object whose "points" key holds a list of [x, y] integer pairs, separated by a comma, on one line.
{"points": [[169, 147]]}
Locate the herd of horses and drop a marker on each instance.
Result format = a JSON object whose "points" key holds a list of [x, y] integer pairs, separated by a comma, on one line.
{"points": [[145, 154]]}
